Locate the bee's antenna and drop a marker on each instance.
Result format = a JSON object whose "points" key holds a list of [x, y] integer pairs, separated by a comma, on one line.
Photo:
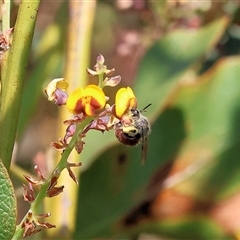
{"points": [[143, 110]]}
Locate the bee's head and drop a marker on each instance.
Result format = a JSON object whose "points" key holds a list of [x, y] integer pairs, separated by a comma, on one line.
{"points": [[135, 113]]}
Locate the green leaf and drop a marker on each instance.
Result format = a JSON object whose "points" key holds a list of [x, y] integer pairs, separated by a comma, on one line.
{"points": [[8, 211], [167, 61], [211, 108]]}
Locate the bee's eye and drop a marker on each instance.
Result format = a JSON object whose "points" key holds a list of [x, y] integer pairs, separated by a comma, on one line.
{"points": [[135, 112]]}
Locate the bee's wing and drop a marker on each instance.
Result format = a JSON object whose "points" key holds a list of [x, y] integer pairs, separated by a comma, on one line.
{"points": [[144, 150]]}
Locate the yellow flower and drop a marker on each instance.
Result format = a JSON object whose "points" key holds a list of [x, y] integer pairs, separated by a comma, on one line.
{"points": [[86, 100], [124, 100]]}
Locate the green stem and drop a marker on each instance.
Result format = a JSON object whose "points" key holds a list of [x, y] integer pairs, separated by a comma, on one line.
{"points": [[12, 76], [61, 165], [100, 80]]}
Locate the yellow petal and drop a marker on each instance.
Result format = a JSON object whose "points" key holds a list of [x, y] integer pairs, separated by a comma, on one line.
{"points": [[74, 102], [124, 100], [86, 100], [98, 99], [57, 83], [62, 84], [88, 108]]}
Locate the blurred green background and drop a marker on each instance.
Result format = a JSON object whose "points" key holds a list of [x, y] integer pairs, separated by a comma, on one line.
{"points": [[181, 56]]}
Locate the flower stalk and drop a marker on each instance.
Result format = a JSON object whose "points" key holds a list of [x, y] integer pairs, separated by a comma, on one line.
{"points": [[79, 34], [45, 186]]}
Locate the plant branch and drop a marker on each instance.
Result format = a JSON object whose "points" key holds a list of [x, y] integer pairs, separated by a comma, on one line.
{"points": [[44, 187], [12, 76]]}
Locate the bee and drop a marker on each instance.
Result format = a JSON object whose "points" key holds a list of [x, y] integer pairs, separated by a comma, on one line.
{"points": [[133, 129]]}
